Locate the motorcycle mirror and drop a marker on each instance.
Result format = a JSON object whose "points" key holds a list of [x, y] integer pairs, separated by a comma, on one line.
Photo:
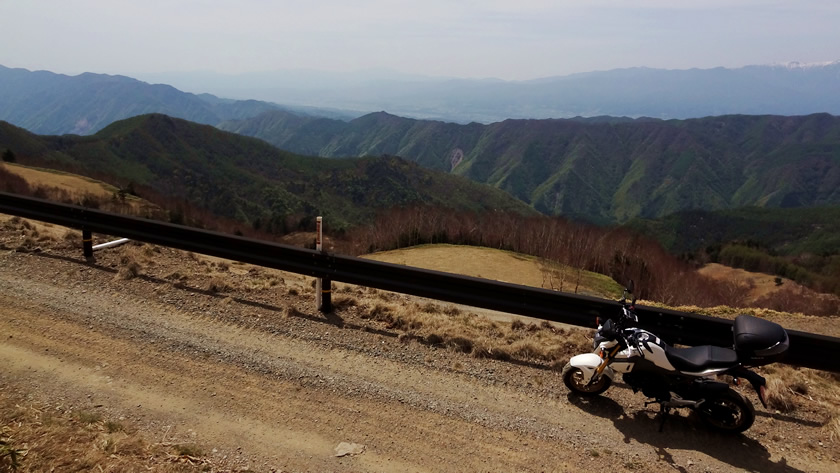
{"points": [[630, 286]]}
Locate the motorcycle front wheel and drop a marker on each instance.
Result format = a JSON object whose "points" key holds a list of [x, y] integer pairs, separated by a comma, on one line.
{"points": [[573, 379], [729, 412]]}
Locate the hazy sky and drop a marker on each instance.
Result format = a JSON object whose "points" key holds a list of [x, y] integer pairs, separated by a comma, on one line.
{"points": [[508, 39]]}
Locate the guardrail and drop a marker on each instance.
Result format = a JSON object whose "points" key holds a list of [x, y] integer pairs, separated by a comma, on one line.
{"points": [[806, 349]]}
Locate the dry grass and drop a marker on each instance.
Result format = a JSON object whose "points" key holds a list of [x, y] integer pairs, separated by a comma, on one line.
{"points": [[502, 266], [257, 280], [833, 427], [129, 268], [795, 321], [176, 276], [790, 389], [778, 396], [292, 311], [757, 285], [453, 328], [39, 437], [218, 284], [64, 181]]}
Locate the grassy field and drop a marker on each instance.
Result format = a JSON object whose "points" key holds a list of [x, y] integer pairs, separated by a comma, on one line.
{"points": [[71, 183], [78, 188], [503, 266], [760, 284]]}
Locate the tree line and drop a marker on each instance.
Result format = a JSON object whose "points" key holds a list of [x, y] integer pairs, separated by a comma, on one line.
{"points": [[617, 252]]}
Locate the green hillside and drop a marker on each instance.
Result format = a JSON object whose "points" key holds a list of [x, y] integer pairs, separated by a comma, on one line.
{"points": [[248, 179], [785, 231], [604, 171], [802, 244]]}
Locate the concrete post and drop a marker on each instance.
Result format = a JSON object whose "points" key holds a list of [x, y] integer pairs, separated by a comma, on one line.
{"points": [[87, 242]]}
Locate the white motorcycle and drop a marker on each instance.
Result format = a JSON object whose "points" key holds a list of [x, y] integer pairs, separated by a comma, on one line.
{"points": [[680, 377]]}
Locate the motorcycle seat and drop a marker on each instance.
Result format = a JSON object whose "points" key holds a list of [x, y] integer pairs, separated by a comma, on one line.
{"points": [[696, 359]]}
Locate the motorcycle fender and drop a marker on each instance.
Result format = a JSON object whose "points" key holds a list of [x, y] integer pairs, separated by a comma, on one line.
{"points": [[588, 363]]}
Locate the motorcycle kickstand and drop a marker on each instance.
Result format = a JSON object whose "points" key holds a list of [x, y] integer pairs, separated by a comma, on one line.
{"points": [[664, 412]]}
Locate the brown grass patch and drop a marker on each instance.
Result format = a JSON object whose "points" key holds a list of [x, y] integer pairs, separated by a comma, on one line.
{"points": [[465, 332], [176, 276], [340, 302], [64, 181], [217, 284], [292, 311], [790, 388], [833, 428], [500, 265], [40, 437], [129, 268], [778, 396]]}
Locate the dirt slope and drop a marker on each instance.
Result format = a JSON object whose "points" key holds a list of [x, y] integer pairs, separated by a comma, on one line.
{"points": [[235, 359]]}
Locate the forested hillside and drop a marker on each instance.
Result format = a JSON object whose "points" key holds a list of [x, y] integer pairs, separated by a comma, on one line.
{"points": [[248, 179], [601, 170]]}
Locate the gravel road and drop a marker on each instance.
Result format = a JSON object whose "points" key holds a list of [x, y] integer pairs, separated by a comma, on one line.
{"points": [[263, 381]]}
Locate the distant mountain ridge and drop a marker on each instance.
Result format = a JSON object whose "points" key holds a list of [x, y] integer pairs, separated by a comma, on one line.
{"points": [[602, 170], [48, 103], [248, 179], [54, 104], [789, 89]]}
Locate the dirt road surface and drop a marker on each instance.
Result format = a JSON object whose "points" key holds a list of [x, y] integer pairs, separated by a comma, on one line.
{"points": [[262, 381]]}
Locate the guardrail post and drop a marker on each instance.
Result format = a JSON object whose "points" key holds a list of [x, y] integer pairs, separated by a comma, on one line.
{"points": [[87, 242], [323, 286]]}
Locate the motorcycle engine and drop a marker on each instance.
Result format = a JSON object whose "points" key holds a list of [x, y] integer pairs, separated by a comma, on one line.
{"points": [[650, 384]]}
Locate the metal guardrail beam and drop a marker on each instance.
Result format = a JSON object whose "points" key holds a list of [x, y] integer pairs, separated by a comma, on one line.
{"points": [[808, 350]]}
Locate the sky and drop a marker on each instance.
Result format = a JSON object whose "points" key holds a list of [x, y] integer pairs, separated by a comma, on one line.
{"points": [[505, 39]]}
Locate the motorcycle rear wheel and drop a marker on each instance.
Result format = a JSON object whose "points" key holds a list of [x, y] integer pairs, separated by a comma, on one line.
{"points": [[573, 379], [729, 412]]}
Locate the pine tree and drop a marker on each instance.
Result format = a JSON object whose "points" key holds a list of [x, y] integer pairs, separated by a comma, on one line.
{"points": [[9, 156]]}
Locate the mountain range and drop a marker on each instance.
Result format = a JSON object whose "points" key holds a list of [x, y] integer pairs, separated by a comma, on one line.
{"points": [[789, 89], [606, 170], [48, 103], [602, 169], [249, 179], [54, 104]]}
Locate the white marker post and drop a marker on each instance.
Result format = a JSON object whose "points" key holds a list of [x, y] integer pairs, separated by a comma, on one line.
{"points": [[323, 286]]}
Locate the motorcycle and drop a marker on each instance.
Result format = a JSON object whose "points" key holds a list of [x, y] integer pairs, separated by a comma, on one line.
{"points": [[680, 377]]}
